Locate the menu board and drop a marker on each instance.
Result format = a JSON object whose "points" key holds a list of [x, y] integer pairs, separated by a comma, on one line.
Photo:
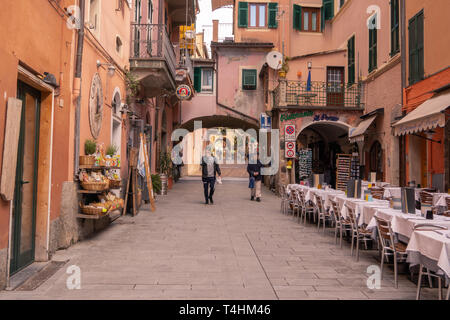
{"points": [[343, 164]]}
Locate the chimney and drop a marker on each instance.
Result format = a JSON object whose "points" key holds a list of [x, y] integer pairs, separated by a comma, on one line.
{"points": [[215, 30]]}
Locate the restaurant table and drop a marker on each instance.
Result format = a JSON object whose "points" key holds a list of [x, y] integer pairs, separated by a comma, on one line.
{"points": [[431, 249], [403, 223], [326, 195], [358, 205], [439, 199]]}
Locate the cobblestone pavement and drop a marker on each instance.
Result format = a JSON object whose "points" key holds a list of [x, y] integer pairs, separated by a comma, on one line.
{"points": [[234, 249]]}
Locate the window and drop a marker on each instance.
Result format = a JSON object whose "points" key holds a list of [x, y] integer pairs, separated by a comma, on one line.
{"points": [[257, 15], [137, 12], [395, 46], [248, 79], [273, 11], [341, 3], [351, 60], [328, 9], [416, 48], [243, 15], [203, 79], [207, 79], [118, 45], [94, 15], [306, 19], [373, 45], [150, 11], [376, 159]]}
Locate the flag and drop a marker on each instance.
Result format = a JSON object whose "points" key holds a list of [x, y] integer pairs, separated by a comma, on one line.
{"points": [[141, 161], [308, 84]]}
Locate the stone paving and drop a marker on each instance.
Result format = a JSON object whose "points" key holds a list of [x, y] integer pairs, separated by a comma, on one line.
{"points": [[234, 249]]}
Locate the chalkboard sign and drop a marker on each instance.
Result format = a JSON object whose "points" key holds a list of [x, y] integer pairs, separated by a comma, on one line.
{"points": [[354, 189], [408, 200]]}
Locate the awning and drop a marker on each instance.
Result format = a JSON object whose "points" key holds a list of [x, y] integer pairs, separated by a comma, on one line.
{"points": [[357, 134], [216, 4], [427, 116]]}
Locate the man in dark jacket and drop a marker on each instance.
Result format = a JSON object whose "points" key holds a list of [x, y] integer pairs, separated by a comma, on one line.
{"points": [[254, 171], [210, 168]]}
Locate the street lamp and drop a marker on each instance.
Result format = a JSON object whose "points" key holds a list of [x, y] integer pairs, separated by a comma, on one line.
{"points": [[309, 65], [111, 68]]}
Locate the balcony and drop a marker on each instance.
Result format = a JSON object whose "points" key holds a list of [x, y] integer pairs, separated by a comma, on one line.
{"points": [[322, 95], [153, 58]]}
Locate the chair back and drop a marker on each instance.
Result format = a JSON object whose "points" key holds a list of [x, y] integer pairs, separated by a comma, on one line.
{"points": [[301, 196], [377, 192], [335, 207], [447, 201], [320, 204], [426, 198], [282, 191], [352, 217], [385, 233]]}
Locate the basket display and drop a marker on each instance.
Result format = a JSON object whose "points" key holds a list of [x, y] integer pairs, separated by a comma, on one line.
{"points": [[90, 210], [87, 160], [114, 184], [95, 186]]}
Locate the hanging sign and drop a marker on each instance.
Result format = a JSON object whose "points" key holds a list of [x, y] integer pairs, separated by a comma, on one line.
{"points": [[184, 92], [290, 150], [289, 133]]}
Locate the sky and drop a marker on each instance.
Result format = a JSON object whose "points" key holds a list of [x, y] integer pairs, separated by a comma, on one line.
{"points": [[205, 17]]}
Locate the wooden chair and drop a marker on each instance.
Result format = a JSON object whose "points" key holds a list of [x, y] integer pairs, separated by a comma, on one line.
{"points": [[424, 269], [359, 234], [389, 246], [307, 207], [297, 203], [377, 193], [322, 213], [284, 197], [426, 201], [341, 224]]}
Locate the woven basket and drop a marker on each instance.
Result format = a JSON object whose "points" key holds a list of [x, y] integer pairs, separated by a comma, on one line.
{"points": [[114, 184], [91, 211], [87, 160], [95, 186]]}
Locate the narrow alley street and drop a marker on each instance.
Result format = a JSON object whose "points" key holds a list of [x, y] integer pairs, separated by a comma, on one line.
{"points": [[234, 249]]}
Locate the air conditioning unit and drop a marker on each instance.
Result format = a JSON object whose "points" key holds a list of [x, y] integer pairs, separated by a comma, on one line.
{"points": [[229, 39]]}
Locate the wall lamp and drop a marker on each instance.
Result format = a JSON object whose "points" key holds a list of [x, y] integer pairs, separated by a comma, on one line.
{"points": [[111, 68]]}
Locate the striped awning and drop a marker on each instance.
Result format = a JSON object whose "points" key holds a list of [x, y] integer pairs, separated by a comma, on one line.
{"points": [[357, 134], [429, 115]]}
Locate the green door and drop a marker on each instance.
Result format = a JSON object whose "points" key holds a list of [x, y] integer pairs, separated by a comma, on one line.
{"points": [[24, 203]]}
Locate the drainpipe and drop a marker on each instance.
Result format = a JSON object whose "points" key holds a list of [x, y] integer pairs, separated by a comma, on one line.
{"points": [[403, 56], [77, 88]]}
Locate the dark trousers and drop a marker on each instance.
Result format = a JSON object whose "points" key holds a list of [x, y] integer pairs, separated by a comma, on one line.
{"points": [[208, 183]]}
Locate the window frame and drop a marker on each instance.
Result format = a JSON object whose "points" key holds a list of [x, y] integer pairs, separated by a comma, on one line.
{"points": [[258, 5], [203, 87], [310, 11], [395, 27], [373, 46]]}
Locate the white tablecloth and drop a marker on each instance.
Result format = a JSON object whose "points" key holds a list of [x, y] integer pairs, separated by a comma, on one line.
{"points": [[434, 245], [359, 205], [403, 223], [439, 199]]}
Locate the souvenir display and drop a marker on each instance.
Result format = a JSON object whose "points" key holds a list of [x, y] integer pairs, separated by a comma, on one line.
{"points": [[343, 171]]}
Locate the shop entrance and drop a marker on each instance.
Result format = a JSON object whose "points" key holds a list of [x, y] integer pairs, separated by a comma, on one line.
{"points": [[317, 148], [24, 203]]}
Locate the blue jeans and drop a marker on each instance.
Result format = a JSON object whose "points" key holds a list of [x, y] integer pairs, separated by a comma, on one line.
{"points": [[208, 183]]}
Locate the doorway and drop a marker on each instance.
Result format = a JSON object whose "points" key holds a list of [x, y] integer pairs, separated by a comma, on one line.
{"points": [[25, 191], [335, 86]]}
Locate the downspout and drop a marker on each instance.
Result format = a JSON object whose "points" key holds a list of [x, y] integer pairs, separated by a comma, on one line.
{"points": [[77, 88], [403, 55]]}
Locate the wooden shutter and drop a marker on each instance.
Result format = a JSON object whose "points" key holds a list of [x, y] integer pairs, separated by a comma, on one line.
{"points": [[243, 15], [249, 79], [351, 60], [395, 47], [297, 19], [273, 10], [198, 79], [373, 46], [328, 7], [416, 47], [420, 47]]}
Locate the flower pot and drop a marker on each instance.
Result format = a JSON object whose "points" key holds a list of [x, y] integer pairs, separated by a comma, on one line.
{"points": [[170, 182], [87, 160], [164, 183]]}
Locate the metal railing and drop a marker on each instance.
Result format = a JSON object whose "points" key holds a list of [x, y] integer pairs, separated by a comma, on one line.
{"points": [[152, 41], [320, 94]]}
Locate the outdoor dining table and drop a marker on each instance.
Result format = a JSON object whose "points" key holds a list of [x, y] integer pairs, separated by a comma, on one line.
{"points": [[431, 249], [438, 198], [359, 205], [403, 223]]}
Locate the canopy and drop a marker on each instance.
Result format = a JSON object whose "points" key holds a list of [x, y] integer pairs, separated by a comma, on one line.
{"points": [[427, 116], [357, 134]]}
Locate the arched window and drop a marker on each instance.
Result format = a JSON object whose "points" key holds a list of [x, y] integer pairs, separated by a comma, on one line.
{"points": [[376, 159], [116, 103]]}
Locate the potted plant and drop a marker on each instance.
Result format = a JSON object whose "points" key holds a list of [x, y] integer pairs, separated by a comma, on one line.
{"points": [[165, 164], [156, 183], [284, 68], [111, 151], [90, 147]]}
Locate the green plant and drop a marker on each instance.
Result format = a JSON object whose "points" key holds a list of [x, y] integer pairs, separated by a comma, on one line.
{"points": [[111, 150], [165, 163], [90, 146], [132, 84], [285, 66], [156, 182]]}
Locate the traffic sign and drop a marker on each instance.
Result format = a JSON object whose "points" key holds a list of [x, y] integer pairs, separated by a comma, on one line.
{"points": [[289, 133], [290, 149]]}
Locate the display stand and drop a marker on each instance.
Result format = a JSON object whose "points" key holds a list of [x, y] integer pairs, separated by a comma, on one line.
{"points": [[148, 176], [354, 168], [305, 164], [343, 166], [132, 181]]}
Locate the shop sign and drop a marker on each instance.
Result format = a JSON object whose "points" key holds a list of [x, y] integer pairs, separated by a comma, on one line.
{"points": [[292, 116], [290, 150], [183, 92], [265, 121], [289, 133], [325, 117]]}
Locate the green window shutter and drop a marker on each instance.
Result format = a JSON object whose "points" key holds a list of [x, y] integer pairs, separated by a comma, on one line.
{"points": [[420, 47], [297, 19], [198, 79], [373, 46], [249, 79], [351, 60], [395, 34], [273, 10], [243, 15], [328, 7], [416, 48]]}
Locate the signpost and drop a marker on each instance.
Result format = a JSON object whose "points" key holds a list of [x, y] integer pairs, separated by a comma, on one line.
{"points": [[290, 149]]}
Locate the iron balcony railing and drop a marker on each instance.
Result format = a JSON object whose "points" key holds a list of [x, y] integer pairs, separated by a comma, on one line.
{"points": [[149, 41], [320, 94]]}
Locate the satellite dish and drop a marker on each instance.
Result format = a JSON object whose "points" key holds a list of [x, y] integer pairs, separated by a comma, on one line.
{"points": [[274, 60]]}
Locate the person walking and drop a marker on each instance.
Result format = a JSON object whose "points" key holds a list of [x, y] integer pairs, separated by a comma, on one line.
{"points": [[210, 168], [254, 172]]}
